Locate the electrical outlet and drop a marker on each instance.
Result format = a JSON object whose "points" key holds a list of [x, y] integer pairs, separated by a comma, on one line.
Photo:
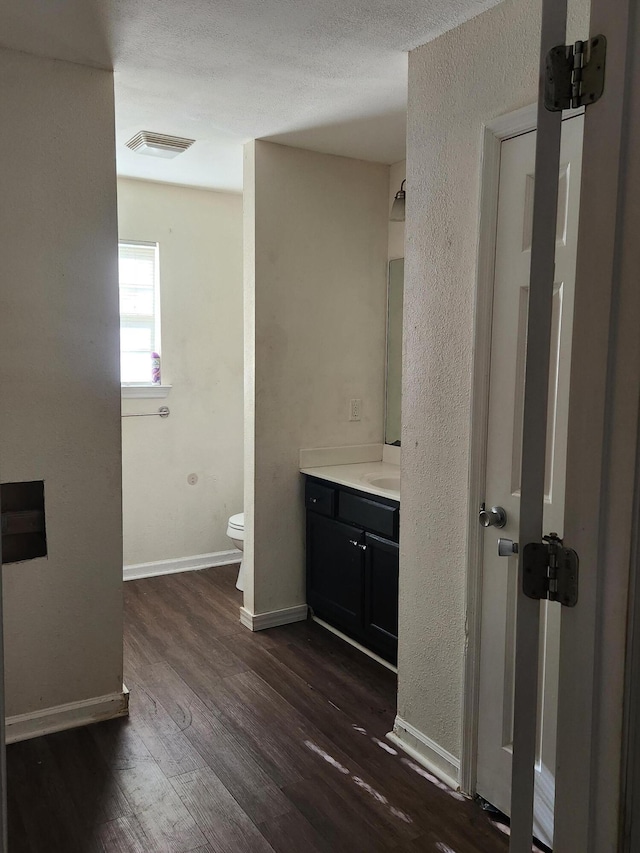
{"points": [[192, 479], [355, 410]]}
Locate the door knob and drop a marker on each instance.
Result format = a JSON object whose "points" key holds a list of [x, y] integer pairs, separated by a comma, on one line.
{"points": [[507, 548], [494, 517]]}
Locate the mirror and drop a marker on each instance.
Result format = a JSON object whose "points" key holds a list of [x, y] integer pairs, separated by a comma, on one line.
{"points": [[395, 295]]}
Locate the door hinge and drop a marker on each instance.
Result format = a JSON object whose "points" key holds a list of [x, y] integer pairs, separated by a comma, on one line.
{"points": [[575, 74], [551, 571]]}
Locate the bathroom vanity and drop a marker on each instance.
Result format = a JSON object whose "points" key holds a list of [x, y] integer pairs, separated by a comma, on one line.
{"points": [[352, 553], [352, 501]]}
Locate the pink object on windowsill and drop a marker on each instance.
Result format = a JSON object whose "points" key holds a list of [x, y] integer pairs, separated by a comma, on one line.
{"points": [[156, 378]]}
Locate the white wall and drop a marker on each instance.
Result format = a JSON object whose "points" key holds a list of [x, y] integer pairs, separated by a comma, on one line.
{"points": [[200, 237], [59, 377], [315, 278], [449, 101]]}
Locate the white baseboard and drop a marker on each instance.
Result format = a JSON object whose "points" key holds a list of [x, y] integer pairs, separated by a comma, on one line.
{"points": [[426, 752], [69, 716], [181, 564], [260, 621], [355, 644]]}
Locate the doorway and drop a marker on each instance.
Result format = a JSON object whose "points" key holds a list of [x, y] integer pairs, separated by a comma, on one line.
{"points": [[506, 317]]}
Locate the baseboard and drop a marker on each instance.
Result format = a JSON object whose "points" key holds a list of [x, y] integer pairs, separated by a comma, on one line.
{"points": [[182, 564], [355, 644], [426, 752], [69, 716], [260, 621]]}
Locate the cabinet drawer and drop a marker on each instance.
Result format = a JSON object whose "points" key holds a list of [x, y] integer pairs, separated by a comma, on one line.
{"points": [[319, 498], [369, 514]]}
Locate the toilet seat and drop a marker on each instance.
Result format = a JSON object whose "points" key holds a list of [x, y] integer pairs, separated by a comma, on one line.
{"points": [[236, 522], [235, 532]]}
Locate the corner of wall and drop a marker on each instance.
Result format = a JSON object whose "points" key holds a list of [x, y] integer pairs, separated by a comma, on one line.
{"points": [[316, 229], [426, 752], [59, 345], [443, 169], [249, 289]]}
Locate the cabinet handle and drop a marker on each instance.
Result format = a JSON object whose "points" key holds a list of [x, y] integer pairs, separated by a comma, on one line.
{"points": [[356, 544]]}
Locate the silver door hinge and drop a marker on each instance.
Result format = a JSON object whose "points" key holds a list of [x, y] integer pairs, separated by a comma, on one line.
{"points": [[551, 571], [575, 74]]}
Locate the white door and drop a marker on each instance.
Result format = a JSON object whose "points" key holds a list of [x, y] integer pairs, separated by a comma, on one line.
{"points": [[506, 398]]}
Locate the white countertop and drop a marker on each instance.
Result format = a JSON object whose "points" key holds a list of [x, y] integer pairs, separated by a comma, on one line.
{"points": [[355, 476]]}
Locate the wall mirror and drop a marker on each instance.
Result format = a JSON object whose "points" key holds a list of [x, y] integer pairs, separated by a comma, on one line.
{"points": [[394, 352]]}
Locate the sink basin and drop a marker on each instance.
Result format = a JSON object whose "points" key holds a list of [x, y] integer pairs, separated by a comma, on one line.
{"points": [[390, 482]]}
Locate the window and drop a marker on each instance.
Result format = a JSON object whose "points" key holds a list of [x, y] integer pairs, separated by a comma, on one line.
{"points": [[139, 311]]}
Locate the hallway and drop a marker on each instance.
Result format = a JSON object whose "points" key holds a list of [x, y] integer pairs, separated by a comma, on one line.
{"points": [[237, 743]]}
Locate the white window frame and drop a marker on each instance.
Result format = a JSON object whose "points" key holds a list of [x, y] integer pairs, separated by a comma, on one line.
{"points": [[147, 389]]}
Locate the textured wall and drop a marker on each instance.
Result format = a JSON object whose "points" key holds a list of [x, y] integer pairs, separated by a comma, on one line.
{"points": [[449, 101], [59, 377], [200, 238], [318, 287]]}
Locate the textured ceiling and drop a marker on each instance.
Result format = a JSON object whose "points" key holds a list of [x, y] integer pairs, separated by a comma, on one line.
{"points": [[324, 74]]}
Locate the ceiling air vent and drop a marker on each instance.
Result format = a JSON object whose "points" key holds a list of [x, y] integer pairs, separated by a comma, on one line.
{"points": [[159, 144]]}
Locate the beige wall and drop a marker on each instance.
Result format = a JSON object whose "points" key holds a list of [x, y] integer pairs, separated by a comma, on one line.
{"points": [[200, 237], [59, 377], [315, 313], [449, 101], [393, 390], [249, 252]]}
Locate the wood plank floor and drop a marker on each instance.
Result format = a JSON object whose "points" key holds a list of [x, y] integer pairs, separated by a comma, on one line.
{"points": [[236, 743]]}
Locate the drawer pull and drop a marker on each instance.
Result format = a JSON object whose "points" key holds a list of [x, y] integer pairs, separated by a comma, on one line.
{"points": [[356, 544], [320, 499]]}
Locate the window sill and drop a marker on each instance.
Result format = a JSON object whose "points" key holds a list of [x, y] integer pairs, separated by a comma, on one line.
{"points": [[131, 392]]}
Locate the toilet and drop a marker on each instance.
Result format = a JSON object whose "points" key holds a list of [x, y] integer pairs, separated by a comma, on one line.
{"points": [[235, 532]]}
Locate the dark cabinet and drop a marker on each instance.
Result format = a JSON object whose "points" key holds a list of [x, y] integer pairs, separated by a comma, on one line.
{"points": [[382, 559], [352, 564], [335, 572]]}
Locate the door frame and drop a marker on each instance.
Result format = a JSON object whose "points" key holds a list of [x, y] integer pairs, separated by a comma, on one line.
{"points": [[604, 420], [604, 417], [4, 818], [495, 132], [630, 825]]}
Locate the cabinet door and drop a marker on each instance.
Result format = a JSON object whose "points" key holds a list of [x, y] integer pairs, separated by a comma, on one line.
{"points": [[382, 559], [335, 567]]}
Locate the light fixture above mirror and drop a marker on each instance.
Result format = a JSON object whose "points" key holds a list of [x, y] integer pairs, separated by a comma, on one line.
{"points": [[397, 209]]}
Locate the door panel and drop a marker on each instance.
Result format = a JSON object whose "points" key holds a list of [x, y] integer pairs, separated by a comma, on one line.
{"points": [[381, 595], [504, 450], [335, 568]]}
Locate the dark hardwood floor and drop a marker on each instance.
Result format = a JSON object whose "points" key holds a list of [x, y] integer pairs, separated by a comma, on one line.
{"points": [[236, 743]]}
